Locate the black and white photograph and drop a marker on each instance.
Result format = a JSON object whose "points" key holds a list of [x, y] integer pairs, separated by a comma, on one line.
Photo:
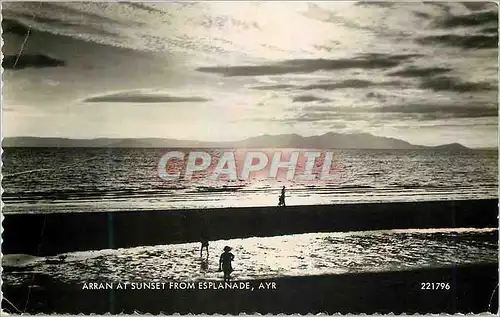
{"points": [[229, 157]]}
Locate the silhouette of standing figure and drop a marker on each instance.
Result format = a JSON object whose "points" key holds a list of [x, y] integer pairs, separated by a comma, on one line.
{"points": [[225, 263], [282, 198]]}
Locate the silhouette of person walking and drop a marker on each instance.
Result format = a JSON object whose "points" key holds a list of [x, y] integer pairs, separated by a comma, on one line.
{"points": [[281, 201], [225, 263]]}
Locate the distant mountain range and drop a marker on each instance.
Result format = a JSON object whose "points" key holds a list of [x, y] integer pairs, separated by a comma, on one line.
{"points": [[329, 140]]}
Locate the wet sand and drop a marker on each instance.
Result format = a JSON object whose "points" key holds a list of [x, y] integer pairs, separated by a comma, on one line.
{"points": [[305, 254], [471, 291], [51, 234]]}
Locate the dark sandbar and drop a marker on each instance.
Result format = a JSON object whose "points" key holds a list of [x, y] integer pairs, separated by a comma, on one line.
{"points": [[50, 234]]}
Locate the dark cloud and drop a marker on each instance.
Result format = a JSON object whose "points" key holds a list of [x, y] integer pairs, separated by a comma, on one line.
{"points": [[30, 61], [309, 98], [380, 4], [366, 61], [422, 15], [14, 27], [45, 9], [350, 83], [474, 6], [322, 116], [445, 111], [145, 7], [66, 8], [274, 87], [329, 85], [57, 23], [413, 71], [464, 41], [454, 84], [472, 19], [376, 95], [141, 97], [326, 108], [443, 6], [429, 111], [493, 30], [393, 57]]}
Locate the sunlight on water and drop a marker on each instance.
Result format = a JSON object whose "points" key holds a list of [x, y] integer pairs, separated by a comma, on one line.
{"points": [[73, 180], [291, 255]]}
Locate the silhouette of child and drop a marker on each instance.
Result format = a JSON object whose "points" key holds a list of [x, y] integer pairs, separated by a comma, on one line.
{"points": [[225, 263]]}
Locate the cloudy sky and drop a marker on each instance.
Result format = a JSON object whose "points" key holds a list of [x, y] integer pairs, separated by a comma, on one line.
{"points": [[424, 73]]}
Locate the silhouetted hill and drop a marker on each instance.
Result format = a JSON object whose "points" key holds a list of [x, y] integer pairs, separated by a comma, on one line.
{"points": [[451, 147], [329, 140]]}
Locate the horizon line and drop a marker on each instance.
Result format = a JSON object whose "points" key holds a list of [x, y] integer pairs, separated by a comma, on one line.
{"points": [[194, 140]]}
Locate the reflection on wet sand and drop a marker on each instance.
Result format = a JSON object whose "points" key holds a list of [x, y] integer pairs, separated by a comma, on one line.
{"points": [[204, 265], [269, 257]]}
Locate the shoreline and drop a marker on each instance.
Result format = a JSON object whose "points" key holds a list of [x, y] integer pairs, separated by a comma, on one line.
{"points": [[52, 234], [471, 288]]}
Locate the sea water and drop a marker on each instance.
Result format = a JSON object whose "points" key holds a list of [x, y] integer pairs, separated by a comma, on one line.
{"points": [[112, 179]]}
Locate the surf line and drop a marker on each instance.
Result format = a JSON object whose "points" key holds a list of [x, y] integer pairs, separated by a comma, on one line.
{"points": [[313, 165]]}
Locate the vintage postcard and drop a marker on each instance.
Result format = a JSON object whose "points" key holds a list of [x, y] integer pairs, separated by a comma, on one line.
{"points": [[250, 157]]}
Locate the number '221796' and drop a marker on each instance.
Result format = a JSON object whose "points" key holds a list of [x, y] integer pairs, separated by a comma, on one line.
{"points": [[435, 286]]}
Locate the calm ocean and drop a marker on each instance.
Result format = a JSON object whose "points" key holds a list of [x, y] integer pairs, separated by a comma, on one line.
{"points": [[112, 179]]}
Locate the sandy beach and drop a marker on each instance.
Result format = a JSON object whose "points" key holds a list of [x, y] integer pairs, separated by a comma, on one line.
{"points": [[378, 271], [347, 258]]}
